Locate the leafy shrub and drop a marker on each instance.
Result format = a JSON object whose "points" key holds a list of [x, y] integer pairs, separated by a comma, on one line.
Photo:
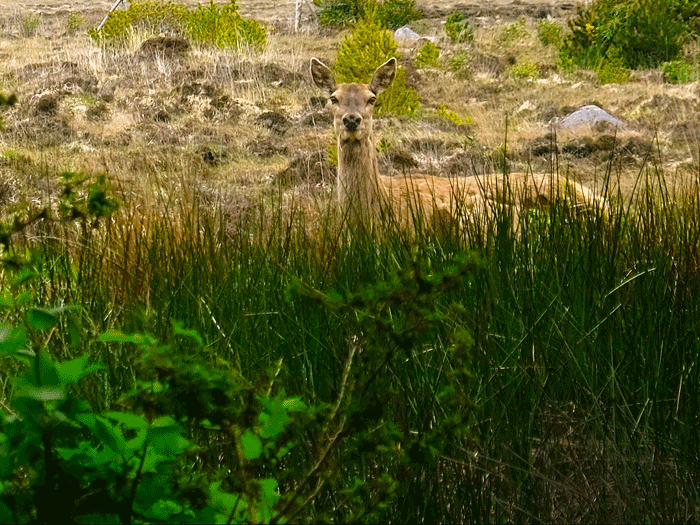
{"points": [[513, 32], [527, 70], [458, 61], [446, 113], [220, 27], [613, 69], [396, 13], [550, 33], [458, 29], [224, 27], [646, 32], [391, 14], [428, 56], [679, 72], [362, 52]]}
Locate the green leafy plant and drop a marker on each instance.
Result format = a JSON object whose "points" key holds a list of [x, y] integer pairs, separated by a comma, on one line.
{"points": [[512, 33], [679, 72], [458, 29], [213, 25], [224, 27], [446, 113], [525, 70], [458, 61], [550, 33], [428, 56], [74, 22], [645, 32], [362, 52], [613, 70], [391, 14]]}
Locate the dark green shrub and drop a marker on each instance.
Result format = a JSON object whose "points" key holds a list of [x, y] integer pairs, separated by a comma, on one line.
{"points": [[220, 27], [428, 56], [362, 52], [550, 33], [646, 32], [458, 29], [679, 72], [391, 14]]}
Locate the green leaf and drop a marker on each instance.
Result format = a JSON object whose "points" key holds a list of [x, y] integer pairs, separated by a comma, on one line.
{"points": [[40, 319], [192, 334], [251, 444], [117, 336], [75, 369], [103, 429], [163, 509], [12, 339], [128, 420]]}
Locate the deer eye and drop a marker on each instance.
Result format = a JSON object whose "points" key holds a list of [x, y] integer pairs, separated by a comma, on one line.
{"points": [[333, 100], [372, 100]]}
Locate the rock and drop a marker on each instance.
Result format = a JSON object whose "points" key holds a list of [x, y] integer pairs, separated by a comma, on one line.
{"points": [[590, 116], [406, 33]]}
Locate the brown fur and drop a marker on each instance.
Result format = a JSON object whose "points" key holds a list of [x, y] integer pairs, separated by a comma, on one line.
{"points": [[370, 199]]}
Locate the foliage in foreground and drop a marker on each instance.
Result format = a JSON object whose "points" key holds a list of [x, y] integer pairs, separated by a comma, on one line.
{"points": [[213, 25]]}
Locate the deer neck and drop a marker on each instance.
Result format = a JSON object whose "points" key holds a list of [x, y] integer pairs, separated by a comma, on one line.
{"points": [[363, 197]]}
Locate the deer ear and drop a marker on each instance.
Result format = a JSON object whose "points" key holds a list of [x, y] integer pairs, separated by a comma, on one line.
{"points": [[383, 76], [322, 76]]}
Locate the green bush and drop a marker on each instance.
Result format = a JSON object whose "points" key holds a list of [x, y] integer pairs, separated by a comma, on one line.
{"points": [[224, 27], [362, 52], [646, 32], [513, 32], [428, 56], [391, 14], [458, 29], [679, 72], [613, 69], [446, 113], [220, 27], [550, 33], [458, 61], [526, 70]]}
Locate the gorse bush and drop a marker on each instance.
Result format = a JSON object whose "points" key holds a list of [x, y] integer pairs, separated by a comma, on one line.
{"points": [[213, 25], [362, 52], [646, 32], [428, 56], [391, 14], [458, 29]]}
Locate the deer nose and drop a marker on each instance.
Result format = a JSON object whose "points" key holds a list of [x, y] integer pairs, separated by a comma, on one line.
{"points": [[352, 121]]}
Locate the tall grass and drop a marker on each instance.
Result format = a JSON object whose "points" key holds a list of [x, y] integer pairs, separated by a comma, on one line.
{"points": [[584, 388]]}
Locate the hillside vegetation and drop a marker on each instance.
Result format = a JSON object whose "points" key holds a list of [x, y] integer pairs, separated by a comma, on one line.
{"points": [[188, 333]]}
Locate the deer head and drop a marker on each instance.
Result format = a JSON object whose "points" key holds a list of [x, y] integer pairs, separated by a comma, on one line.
{"points": [[353, 104]]}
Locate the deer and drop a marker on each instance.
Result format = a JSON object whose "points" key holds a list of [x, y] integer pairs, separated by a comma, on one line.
{"points": [[373, 201]]}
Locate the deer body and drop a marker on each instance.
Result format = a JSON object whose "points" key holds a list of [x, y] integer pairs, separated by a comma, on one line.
{"points": [[369, 199]]}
